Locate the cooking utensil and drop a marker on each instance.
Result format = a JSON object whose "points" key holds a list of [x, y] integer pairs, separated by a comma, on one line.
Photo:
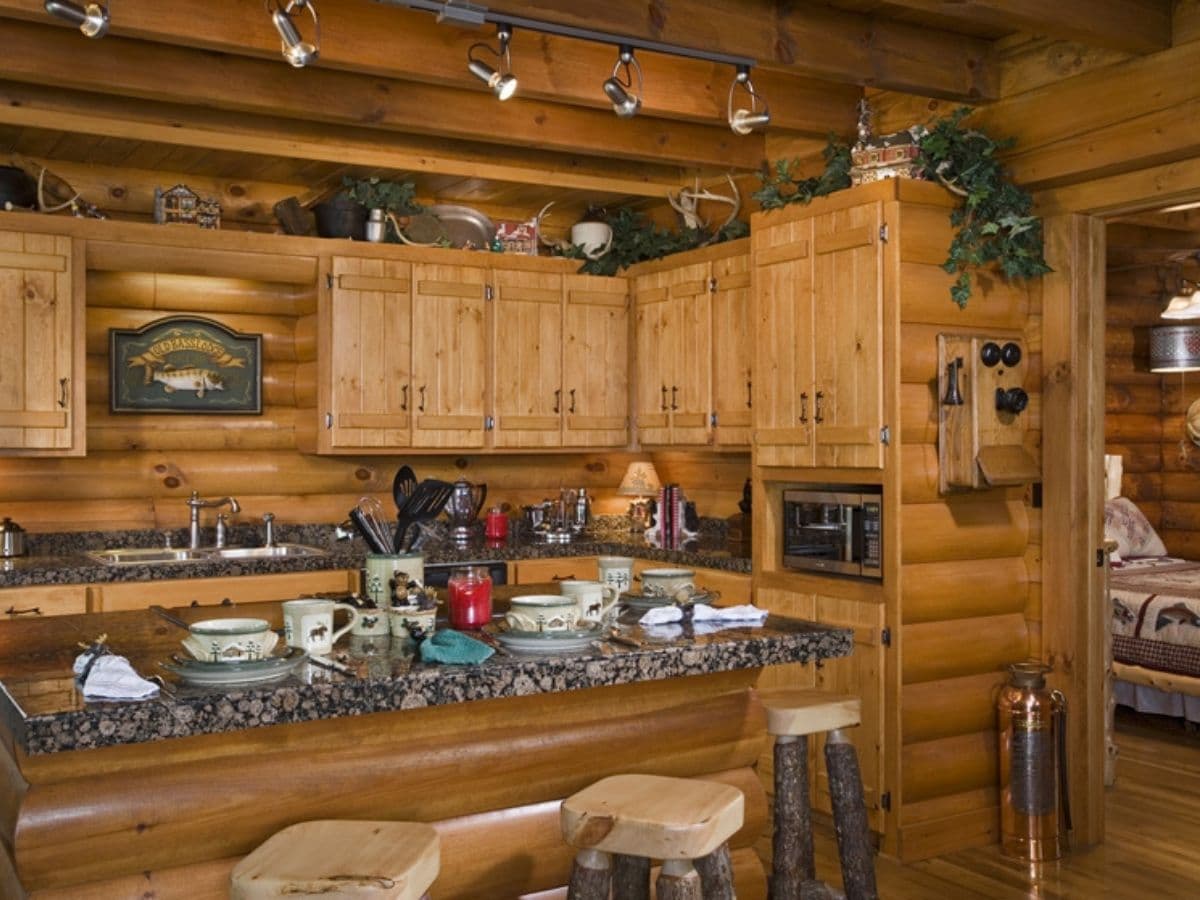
{"points": [[170, 617], [427, 500], [363, 524], [403, 486]]}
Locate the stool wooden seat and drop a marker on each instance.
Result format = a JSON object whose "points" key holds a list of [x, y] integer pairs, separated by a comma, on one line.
{"points": [[792, 715], [332, 858], [684, 822]]}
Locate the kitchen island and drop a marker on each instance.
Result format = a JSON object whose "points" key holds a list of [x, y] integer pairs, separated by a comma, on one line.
{"points": [[162, 797]]}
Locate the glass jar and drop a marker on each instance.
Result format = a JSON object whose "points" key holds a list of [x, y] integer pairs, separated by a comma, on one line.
{"points": [[469, 597]]}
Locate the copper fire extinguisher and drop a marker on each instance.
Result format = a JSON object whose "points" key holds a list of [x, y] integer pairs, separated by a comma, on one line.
{"points": [[1035, 810]]}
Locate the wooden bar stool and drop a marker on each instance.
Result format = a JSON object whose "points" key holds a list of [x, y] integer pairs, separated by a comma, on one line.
{"points": [[333, 858], [684, 822], [792, 715]]}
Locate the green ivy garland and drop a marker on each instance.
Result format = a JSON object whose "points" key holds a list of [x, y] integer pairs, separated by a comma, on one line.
{"points": [[994, 220]]}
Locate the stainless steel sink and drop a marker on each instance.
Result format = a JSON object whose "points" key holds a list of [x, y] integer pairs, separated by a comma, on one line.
{"points": [[149, 556]]}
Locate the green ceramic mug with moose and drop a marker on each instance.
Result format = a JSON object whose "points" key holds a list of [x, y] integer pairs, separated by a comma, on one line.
{"points": [[308, 624]]}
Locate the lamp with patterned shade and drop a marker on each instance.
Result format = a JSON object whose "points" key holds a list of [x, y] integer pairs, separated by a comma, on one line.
{"points": [[640, 481], [1175, 348]]}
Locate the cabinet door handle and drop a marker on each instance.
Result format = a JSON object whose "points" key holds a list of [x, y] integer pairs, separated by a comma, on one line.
{"points": [[749, 394], [804, 407], [674, 390], [558, 401], [570, 577], [663, 402], [32, 611], [571, 409], [817, 410], [62, 392], [404, 398], [421, 404]]}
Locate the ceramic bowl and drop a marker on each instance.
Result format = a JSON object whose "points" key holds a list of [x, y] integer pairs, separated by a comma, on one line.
{"points": [[405, 617], [666, 582], [230, 640], [542, 612]]}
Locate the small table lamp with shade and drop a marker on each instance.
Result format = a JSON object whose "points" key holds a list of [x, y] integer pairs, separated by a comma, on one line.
{"points": [[640, 482]]}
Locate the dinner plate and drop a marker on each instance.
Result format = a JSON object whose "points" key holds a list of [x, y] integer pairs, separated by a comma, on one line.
{"points": [[548, 642], [258, 671]]}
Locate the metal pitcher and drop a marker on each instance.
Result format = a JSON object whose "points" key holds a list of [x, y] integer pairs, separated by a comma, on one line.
{"points": [[466, 500]]}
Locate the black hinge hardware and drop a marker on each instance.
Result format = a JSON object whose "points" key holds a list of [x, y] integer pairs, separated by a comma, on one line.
{"points": [[712, 285], [883, 233], [885, 637], [885, 801]]}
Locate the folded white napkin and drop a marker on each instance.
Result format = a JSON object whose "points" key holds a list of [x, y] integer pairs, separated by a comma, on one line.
{"points": [[663, 632], [745, 614], [661, 615], [112, 678]]}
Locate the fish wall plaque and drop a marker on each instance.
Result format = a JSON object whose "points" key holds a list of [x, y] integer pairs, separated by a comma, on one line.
{"points": [[185, 364]]}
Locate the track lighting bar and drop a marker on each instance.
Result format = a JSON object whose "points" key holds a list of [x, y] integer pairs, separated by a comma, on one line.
{"points": [[472, 14]]}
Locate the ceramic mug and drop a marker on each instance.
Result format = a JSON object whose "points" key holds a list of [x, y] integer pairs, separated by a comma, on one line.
{"points": [[616, 572], [595, 599], [371, 623], [385, 573], [404, 618], [308, 624], [666, 582], [230, 640], [542, 612]]}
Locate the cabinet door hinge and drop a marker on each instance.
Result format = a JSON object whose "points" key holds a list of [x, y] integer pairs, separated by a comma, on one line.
{"points": [[328, 420], [488, 423], [885, 801], [712, 285], [885, 435], [885, 637], [488, 292], [883, 233], [329, 280]]}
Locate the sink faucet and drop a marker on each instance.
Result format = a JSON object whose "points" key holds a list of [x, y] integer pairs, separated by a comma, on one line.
{"points": [[195, 504]]}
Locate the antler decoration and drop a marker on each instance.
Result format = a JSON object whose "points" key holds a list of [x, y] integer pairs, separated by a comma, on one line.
{"points": [[687, 200]]}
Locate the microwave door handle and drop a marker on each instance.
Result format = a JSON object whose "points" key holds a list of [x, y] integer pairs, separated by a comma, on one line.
{"points": [[848, 517]]}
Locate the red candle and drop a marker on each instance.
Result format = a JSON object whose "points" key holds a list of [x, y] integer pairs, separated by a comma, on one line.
{"points": [[469, 598]]}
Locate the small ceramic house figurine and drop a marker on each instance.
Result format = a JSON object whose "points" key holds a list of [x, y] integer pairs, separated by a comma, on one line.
{"points": [[890, 156], [181, 204]]}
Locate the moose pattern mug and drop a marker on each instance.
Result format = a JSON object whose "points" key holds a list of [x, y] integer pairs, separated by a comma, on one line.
{"points": [[308, 624]]}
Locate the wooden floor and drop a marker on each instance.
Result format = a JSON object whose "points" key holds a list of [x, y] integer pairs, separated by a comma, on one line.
{"points": [[1152, 848]]}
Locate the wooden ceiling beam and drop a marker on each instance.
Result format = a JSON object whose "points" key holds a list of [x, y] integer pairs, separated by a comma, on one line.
{"points": [[118, 66], [384, 41], [1135, 26], [56, 109], [808, 38]]}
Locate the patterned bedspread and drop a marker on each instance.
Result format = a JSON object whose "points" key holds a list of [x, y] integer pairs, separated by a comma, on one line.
{"points": [[1156, 614]]}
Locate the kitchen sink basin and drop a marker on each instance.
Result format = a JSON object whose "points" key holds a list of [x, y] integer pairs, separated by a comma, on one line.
{"points": [[149, 556]]}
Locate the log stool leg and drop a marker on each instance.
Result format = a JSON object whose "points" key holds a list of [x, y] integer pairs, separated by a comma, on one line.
{"points": [[716, 874], [678, 880], [850, 818], [590, 876], [792, 858], [631, 877]]}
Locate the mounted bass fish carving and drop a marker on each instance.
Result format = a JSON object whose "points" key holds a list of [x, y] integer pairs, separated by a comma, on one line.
{"points": [[185, 364]]}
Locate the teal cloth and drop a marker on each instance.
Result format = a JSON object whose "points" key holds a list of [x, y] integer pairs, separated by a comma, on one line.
{"points": [[454, 648]]}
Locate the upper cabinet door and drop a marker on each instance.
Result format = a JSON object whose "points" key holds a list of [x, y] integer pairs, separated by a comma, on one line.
{"points": [[655, 354], [690, 385], [848, 346], [782, 285], [527, 362], [596, 362], [41, 333], [449, 355], [369, 354], [732, 331]]}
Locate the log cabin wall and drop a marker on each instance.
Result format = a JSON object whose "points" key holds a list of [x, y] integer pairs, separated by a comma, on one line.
{"points": [[970, 561], [140, 468]]}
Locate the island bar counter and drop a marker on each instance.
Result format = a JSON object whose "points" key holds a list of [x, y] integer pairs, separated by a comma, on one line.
{"points": [[170, 794]]}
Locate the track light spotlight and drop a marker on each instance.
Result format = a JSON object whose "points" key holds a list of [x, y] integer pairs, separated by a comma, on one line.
{"points": [[503, 83], [743, 120], [297, 51], [619, 86], [91, 19]]}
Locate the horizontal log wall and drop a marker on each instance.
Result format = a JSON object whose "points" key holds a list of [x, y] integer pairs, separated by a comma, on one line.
{"points": [[966, 581], [139, 468]]}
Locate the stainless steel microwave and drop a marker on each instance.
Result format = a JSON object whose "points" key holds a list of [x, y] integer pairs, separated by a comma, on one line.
{"points": [[834, 528]]}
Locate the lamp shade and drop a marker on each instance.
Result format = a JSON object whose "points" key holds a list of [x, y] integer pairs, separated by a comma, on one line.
{"points": [[640, 481], [1175, 348]]}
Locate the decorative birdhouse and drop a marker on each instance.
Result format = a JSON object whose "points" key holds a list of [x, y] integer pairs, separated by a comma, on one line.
{"points": [[890, 156], [181, 204]]}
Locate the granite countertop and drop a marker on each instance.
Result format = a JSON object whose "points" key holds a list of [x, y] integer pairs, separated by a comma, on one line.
{"points": [[63, 559], [43, 712]]}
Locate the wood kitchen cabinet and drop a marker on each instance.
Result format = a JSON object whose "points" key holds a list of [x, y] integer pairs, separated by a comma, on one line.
{"points": [[818, 310], [41, 332], [124, 595], [732, 351], [527, 361], [43, 600], [544, 571], [596, 362], [449, 361]]}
